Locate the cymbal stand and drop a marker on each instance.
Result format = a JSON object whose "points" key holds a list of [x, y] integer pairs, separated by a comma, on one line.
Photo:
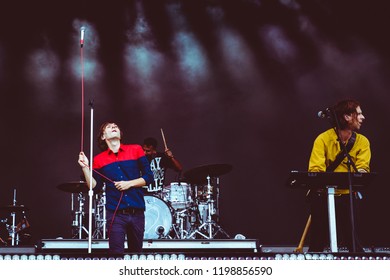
{"points": [[78, 218], [210, 226], [13, 232], [100, 217]]}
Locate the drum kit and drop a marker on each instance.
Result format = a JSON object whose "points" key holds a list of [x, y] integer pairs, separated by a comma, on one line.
{"points": [[12, 233], [78, 189], [187, 209]]}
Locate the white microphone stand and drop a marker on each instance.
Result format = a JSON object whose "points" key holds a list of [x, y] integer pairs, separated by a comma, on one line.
{"points": [[90, 192]]}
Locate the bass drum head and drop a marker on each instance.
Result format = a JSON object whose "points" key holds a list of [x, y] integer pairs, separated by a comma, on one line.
{"points": [[158, 218]]}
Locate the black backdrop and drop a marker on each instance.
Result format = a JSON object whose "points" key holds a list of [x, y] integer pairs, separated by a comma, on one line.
{"points": [[235, 82]]}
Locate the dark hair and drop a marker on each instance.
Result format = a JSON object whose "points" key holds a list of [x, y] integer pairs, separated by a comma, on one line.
{"points": [[345, 107], [150, 141], [102, 143]]}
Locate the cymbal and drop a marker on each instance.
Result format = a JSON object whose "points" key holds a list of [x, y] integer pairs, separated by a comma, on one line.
{"points": [[199, 174], [13, 208], [74, 187]]}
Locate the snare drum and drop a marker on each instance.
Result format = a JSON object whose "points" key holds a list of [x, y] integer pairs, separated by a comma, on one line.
{"points": [[158, 218], [178, 194]]}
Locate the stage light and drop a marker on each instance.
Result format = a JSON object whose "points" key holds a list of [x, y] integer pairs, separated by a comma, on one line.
{"points": [[290, 257], [7, 257], [278, 257], [48, 257], [322, 257], [239, 236], [329, 257]]}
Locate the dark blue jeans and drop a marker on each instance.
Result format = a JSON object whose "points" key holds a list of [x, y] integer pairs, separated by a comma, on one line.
{"points": [[130, 225]]}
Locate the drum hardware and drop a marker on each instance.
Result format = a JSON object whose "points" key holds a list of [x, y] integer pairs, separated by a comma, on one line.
{"points": [[209, 228], [182, 223], [160, 232], [100, 216], [79, 188], [14, 229], [207, 197], [198, 175], [78, 217]]}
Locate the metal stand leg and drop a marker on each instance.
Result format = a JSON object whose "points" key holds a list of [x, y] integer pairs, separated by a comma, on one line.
{"points": [[332, 219], [14, 235]]}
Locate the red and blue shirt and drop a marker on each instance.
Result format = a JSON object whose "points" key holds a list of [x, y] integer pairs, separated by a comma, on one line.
{"points": [[129, 163]]}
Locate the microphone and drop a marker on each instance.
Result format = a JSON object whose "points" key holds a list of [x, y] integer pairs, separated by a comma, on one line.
{"points": [[82, 31], [324, 114]]}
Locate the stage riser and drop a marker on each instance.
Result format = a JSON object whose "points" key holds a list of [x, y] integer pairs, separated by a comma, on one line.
{"points": [[156, 245]]}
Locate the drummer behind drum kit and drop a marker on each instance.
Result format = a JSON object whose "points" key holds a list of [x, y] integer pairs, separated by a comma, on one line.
{"points": [[187, 209]]}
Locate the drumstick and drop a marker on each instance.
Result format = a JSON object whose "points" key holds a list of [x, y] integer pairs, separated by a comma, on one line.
{"points": [[163, 137]]}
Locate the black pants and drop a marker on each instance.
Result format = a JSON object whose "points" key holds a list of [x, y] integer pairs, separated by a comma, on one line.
{"points": [[319, 228]]}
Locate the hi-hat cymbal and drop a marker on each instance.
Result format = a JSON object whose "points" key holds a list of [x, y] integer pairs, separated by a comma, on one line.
{"points": [[199, 174], [14, 208], [74, 187]]}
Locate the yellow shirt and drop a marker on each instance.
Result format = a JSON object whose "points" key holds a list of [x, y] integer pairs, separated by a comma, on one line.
{"points": [[326, 148]]}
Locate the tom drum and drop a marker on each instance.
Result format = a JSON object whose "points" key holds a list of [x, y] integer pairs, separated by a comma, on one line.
{"points": [[178, 194]]}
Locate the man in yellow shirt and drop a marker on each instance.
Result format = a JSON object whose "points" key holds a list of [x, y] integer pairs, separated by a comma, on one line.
{"points": [[347, 118]]}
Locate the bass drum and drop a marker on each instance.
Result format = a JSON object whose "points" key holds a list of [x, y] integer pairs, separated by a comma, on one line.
{"points": [[158, 218]]}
